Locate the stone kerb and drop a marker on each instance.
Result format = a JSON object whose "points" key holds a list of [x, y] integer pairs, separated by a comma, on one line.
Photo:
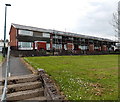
{"points": [[51, 92]]}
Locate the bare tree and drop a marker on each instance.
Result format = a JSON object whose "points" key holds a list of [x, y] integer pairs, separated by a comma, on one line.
{"points": [[115, 23]]}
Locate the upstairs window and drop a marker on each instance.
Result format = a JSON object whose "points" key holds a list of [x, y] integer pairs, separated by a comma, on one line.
{"points": [[25, 32], [46, 35], [57, 37]]}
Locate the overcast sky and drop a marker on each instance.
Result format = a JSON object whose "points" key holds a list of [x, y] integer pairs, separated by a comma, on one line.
{"points": [[89, 17]]}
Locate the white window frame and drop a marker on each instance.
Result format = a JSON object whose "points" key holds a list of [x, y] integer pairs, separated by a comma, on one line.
{"points": [[46, 35], [25, 32], [48, 46], [25, 48]]}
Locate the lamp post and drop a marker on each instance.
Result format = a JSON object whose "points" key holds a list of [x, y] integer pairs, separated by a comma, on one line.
{"points": [[5, 29]]}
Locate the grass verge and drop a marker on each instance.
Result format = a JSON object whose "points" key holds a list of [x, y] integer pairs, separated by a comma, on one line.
{"points": [[82, 77]]}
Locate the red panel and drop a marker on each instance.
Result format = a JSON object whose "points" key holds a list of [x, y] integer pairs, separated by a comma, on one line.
{"points": [[70, 46], [41, 45], [104, 48], [91, 47]]}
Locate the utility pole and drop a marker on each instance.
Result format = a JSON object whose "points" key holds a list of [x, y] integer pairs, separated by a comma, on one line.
{"points": [[4, 50]]}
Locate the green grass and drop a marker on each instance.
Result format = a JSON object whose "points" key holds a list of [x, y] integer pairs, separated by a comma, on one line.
{"points": [[82, 77], [1, 58]]}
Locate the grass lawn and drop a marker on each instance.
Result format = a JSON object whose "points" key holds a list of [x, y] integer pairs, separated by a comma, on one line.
{"points": [[82, 77], [0, 58]]}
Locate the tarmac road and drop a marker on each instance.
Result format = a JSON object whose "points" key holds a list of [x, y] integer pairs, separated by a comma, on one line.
{"points": [[0, 68], [0, 71], [16, 67]]}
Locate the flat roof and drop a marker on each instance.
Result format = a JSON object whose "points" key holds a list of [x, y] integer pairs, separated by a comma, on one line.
{"points": [[24, 27]]}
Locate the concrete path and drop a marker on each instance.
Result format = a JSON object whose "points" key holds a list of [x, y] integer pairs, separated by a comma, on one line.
{"points": [[0, 71], [16, 67], [0, 67]]}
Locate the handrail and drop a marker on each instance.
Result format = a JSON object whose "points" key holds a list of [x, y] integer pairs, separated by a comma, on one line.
{"points": [[4, 95]]}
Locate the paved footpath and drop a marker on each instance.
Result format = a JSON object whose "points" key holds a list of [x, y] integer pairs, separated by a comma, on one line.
{"points": [[16, 67], [0, 71], [0, 68]]}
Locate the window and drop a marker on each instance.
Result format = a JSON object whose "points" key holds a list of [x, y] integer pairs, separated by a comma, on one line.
{"points": [[48, 46], [96, 47], [65, 47], [57, 37], [91, 41], [46, 35], [83, 47], [25, 32], [57, 46], [38, 34], [70, 38], [83, 40], [25, 45], [0, 48]]}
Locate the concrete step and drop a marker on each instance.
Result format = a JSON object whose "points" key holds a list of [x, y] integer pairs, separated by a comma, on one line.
{"points": [[22, 95], [1, 88], [37, 99], [1, 81], [24, 86], [22, 79]]}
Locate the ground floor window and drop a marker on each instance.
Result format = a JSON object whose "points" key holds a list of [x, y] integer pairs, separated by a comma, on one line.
{"points": [[25, 45], [48, 46], [1, 48], [83, 47], [96, 47], [57, 46]]}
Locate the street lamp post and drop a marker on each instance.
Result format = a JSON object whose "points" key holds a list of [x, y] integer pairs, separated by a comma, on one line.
{"points": [[5, 29]]}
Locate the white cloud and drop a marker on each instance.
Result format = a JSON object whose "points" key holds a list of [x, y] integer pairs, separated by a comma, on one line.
{"points": [[82, 16]]}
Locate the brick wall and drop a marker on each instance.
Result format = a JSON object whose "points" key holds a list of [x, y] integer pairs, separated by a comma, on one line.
{"points": [[13, 40], [104, 48], [91, 47], [51, 41]]}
